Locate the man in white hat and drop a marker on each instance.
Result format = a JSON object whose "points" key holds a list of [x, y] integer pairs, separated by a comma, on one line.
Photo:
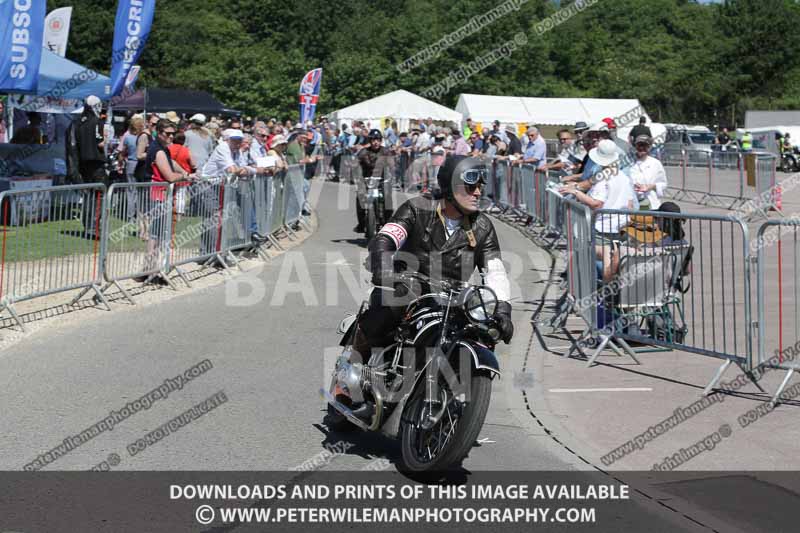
{"points": [[227, 159], [199, 140]]}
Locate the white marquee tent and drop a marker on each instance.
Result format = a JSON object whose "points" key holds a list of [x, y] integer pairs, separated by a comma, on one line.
{"points": [[401, 106], [547, 111]]}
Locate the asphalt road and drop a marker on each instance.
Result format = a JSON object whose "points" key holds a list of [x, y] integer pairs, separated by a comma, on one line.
{"points": [[267, 348]]}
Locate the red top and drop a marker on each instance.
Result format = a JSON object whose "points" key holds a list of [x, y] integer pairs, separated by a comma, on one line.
{"points": [[182, 156], [157, 194]]}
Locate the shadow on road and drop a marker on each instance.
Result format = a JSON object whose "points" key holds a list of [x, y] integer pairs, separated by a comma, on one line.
{"points": [[361, 241]]}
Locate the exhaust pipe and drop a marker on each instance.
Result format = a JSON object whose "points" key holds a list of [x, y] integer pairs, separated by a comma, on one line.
{"points": [[345, 411]]}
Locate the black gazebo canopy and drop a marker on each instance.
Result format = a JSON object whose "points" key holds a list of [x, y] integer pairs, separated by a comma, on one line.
{"points": [[178, 100]]}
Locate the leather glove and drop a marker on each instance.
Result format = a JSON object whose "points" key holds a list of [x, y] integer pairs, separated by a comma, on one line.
{"points": [[502, 315]]}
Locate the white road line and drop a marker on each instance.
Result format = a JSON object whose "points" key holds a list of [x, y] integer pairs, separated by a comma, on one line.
{"points": [[630, 389]]}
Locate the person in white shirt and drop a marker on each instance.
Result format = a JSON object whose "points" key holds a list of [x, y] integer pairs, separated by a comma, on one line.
{"points": [[424, 142], [571, 154], [648, 175], [226, 159], [611, 189]]}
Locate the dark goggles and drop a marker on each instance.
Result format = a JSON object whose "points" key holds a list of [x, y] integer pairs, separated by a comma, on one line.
{"points": [[474, 176]]}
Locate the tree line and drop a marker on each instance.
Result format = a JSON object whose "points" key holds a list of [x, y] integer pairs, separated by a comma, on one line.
{"points": [[685, 61]]}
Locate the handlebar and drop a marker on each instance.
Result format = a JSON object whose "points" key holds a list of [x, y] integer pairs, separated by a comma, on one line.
{"points": [[442, 285]]}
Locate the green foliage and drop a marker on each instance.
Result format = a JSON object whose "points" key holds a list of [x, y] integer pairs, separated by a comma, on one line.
{"points": [[685, 61]]}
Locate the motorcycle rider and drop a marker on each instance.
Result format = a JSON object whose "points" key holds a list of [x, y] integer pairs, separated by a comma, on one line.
{"points": [[443, 238], [374, 160]]}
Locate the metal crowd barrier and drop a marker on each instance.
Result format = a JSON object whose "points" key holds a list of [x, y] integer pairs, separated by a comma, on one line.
{"points": [[720, 178], [52, 242], [529, 191], [196, 231], [553, 148], [269, 206], [293, 198], [65, 238], [348, 166], [676, 281], [277, 214], [726, 180], [239, 214], [421, 172], [765, 178], [779, 316], [674, 163], [581, 279], [501, 180], [138, 221], [679, 281], [554, 212]]}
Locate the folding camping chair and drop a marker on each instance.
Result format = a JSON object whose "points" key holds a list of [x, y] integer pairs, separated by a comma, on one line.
{"points": [[649, 302]]}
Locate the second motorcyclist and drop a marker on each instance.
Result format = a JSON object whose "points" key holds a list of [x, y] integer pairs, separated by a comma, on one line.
{"points": [[374, 160]]}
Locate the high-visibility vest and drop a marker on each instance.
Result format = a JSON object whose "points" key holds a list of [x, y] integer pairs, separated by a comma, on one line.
{"points": [[747, 142]]}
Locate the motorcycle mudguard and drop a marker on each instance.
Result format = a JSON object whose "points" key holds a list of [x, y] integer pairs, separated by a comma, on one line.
{"points": [[483, 357]]}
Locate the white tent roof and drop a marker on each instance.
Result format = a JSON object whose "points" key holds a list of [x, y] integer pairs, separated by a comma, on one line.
{"points": [[547, 111], [397, 105]]}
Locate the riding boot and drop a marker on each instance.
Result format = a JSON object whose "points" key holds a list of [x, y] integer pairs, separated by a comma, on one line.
{"points": [[362, 350], [361, 216], [361, 353]]}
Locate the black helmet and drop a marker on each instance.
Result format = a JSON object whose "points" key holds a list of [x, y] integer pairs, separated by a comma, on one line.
{"points": [[375, 134], [469, 170]]}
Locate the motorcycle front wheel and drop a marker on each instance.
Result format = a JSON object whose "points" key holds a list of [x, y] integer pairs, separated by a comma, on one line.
{"points": [[448, 442], [371, 221]]}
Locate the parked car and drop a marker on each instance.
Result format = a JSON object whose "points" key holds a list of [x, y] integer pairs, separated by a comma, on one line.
{"points": [[695, 141]]}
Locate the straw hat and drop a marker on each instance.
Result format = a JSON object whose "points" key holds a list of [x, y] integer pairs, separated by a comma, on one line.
{"points": [[643, 229]]}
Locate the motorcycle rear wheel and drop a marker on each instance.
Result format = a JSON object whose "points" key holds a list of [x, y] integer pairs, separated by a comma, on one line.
{"points": [[459, 428]]}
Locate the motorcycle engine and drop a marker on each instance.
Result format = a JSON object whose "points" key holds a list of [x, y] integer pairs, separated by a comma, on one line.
{"points": [[357, 379], [348, 374]]}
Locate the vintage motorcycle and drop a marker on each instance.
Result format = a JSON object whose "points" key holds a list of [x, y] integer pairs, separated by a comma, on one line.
{"points": [[375, 203], [431, 386]]}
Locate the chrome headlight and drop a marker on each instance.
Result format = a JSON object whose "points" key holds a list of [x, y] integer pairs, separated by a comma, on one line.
{"points": [[479, 303]]}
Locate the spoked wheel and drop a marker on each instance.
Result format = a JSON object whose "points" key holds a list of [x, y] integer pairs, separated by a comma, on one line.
{"points": [[371, 222], [440, 431]]}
